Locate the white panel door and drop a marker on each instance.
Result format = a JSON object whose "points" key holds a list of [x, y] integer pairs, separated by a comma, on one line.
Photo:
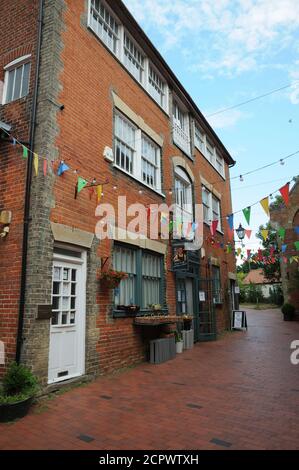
{"points": [[67, 330]]}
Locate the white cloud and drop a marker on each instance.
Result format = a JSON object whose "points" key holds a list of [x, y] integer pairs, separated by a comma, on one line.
{"points": [[241, 34], [225, 120]]}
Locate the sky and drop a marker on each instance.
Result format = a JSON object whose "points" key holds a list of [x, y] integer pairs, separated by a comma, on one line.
{"points": [[228, 51]]}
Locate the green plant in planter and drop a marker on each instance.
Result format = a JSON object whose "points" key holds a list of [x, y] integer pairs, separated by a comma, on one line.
{"points": [[178, 337], [288, 311], [18, 384]]}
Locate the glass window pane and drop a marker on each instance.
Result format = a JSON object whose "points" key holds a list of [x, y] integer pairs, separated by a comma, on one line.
{"points": [[10, 83], [18, 80], [55, 303], [25, 82]]}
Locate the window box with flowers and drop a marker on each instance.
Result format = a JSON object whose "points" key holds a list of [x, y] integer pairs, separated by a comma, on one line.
{"points": [[111, 278]]}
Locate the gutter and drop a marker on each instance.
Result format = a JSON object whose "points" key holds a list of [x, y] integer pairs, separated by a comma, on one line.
{"points": [[27, 218]]}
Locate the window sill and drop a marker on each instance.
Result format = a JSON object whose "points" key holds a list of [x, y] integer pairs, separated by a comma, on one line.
{"points": [[141, 313], [136, 179]]}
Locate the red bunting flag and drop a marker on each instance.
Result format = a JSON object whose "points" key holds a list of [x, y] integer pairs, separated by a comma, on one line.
{"points": [[214, 226], [248, 253], [248, 233], [284, 191]]}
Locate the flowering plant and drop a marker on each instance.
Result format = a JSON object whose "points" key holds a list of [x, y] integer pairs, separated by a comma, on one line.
{"points": [[112, 278]]}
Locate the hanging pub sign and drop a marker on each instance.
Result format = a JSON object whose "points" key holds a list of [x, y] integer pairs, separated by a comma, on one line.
{"points": [[179, 257], [239, 320]]}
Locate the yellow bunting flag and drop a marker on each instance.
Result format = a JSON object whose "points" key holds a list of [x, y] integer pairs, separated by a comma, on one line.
{"points": [[265, 234], [265, 205], [99, 190], [35, 163]]}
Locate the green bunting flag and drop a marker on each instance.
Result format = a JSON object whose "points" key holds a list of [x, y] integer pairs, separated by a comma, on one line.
{"points": [[297, 245], [25, 152], [247, 213], [281, 233], [81, 184]]}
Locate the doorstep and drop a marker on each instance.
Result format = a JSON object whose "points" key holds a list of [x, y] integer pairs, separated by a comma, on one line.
{"points": [[55, 387]]}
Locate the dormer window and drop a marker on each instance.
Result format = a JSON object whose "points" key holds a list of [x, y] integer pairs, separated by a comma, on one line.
{"points": [[181, 132]]}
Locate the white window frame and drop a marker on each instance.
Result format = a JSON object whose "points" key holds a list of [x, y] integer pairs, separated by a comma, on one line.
{"points": [[119, 53], [117, 37], [214, 155], [137, 148], [141, 69], [181, 127], [20, 61], [164, 103], [184, 200], [209, 205]]}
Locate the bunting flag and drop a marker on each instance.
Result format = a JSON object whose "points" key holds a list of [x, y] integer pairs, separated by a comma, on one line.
{"points": [[281, 233], [265, 205], [248, 233], [248, 253], [265, 234], [239, 251], [81, 184], [91, 193], [228, 249], [297, 230], [214, 226], [247, 213], [284, 248], [260, 254], [297, 245], [285, 259], [284, 191], [35, 163], [171, 226], [99, 191], [25, 151], [62, 168], [45, 167], [230, 220]]}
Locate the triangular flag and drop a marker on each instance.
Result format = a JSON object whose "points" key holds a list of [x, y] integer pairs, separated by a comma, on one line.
{"points": [[230, 220], [91, 193], [81, 184], [281, 233], [284, 191], [248, 253], [25, 151], [239, 251], [99, 191], [284, 248], [265, 234], [285, 259], [260, 254], [297, 229], [35, 163], [228, 249], [45, 167], [214, 226], [62, 168], [247, 212], [248, 233], [265, 205], [297, 245]]}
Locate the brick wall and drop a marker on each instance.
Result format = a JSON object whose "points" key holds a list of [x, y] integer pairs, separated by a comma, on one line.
{"points": [[18, 31]]}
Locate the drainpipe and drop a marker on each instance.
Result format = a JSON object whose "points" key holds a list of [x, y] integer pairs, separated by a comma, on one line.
{"points": [[28, 189]]}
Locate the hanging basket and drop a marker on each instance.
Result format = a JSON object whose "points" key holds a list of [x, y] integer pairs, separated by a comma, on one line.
{"points": [[111, 279]]}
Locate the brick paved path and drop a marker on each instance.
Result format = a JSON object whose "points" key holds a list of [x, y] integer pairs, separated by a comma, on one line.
{"points": [[240, 392]]}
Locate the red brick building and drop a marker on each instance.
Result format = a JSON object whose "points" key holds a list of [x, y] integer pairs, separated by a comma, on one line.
{"points": [[82, 84], [288, 218]]}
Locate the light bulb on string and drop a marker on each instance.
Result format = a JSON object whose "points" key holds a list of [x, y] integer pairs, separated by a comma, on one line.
{"points": [[114, 188], [282, 162], [241, 178]]}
